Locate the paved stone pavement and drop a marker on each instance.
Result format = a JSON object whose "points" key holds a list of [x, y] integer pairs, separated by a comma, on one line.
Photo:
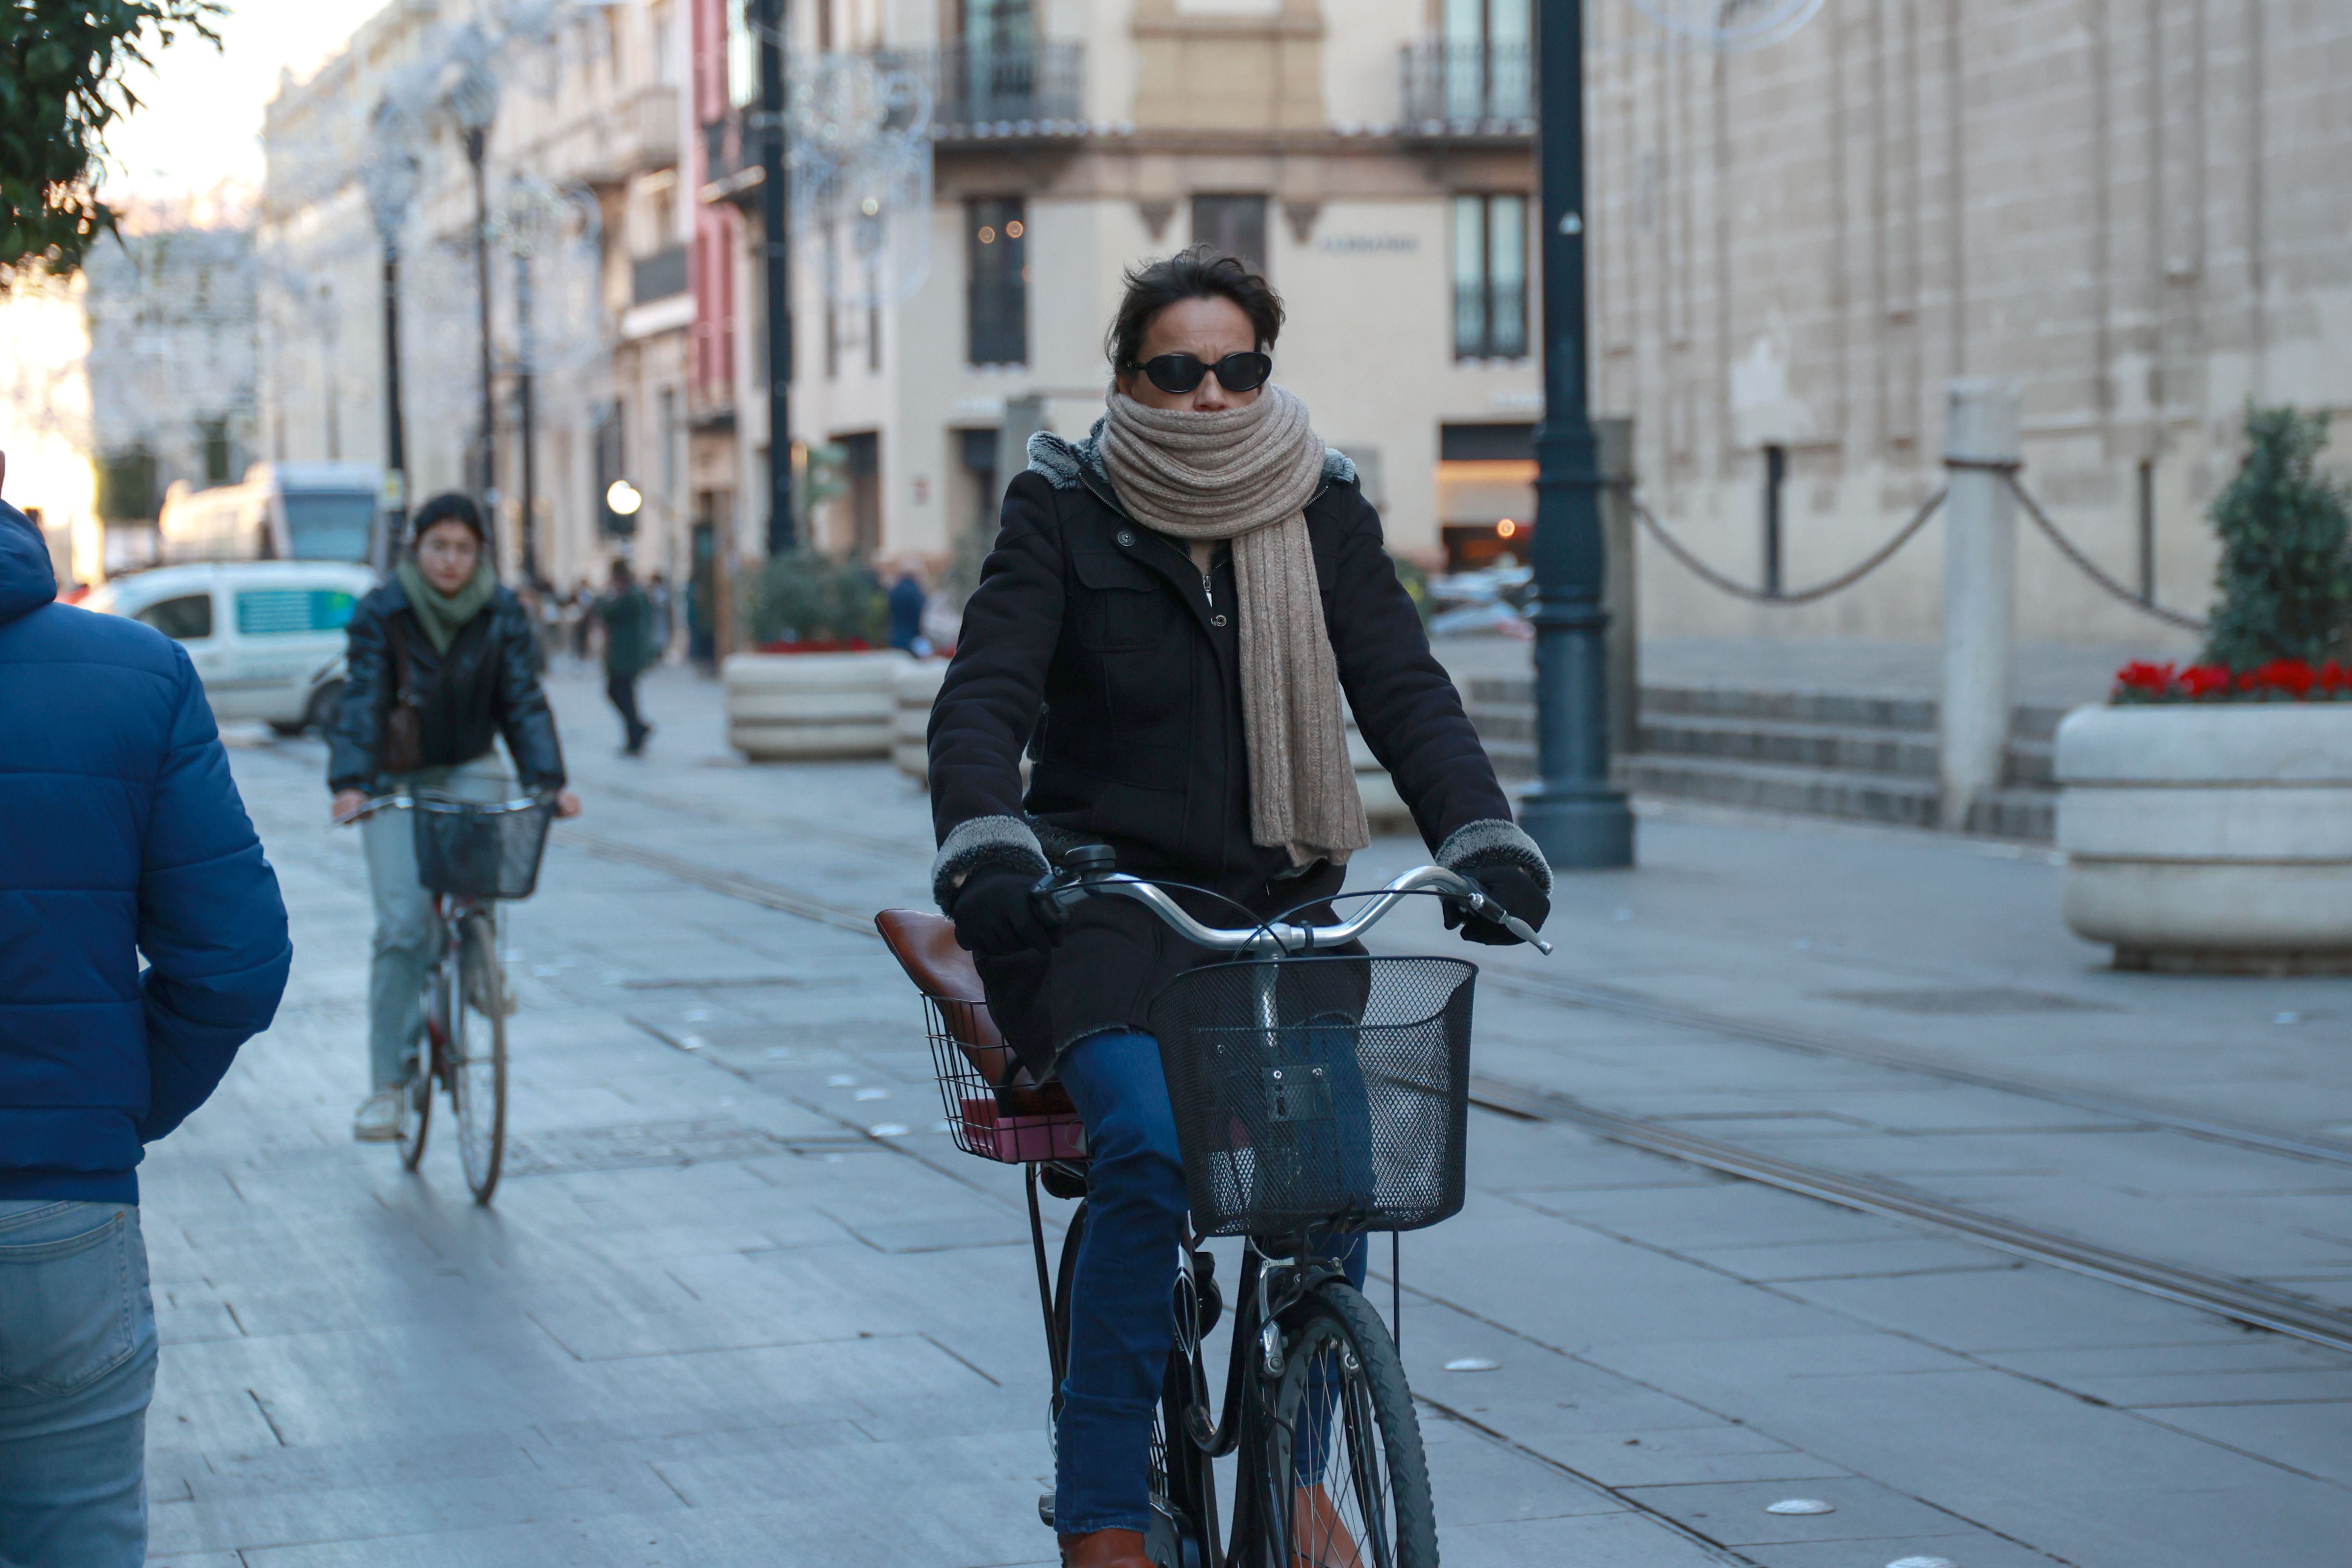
{"points": [[739, 1302]]}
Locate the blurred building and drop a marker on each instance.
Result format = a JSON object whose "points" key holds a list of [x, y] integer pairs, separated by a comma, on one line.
{"points": [[587, 228], [1373, 156], [2135, 213]]}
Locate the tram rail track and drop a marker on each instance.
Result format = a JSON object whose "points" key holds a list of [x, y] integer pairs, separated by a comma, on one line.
{"points": [[2243, 1300]]}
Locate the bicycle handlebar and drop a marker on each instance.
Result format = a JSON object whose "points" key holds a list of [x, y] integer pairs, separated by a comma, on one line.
{"points": [[1062, 890], [445, 803]]}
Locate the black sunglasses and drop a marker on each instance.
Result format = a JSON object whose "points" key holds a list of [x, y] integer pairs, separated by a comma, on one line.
{"points": [[1178, 373]]}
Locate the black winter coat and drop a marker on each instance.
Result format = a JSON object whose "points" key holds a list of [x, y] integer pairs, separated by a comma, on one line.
{"points": [[486, 686], [1098, 646]]}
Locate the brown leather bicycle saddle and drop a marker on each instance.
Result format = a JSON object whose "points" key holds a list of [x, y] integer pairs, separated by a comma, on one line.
{"points": [[925, 947]]}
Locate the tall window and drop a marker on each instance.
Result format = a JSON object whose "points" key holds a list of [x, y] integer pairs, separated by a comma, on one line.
{"points": [[1490, 277], [1487, 60], [1234, 225], [997, 308]]}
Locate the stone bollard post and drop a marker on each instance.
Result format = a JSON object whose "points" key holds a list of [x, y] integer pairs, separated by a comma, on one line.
{"points": [[1624, 637], [1979, 573]]}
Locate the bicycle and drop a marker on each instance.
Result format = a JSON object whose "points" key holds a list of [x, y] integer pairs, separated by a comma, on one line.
{"points": [[473, 857], [1318, 1098]]}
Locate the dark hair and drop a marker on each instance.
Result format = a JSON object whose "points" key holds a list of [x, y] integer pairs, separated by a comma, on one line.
{"points": [[622, 572], [1204, 272], [449, 506]]}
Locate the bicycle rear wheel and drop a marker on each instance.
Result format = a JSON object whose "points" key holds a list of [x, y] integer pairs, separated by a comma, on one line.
{"points": [[1345, 1445], [477, 1053]]}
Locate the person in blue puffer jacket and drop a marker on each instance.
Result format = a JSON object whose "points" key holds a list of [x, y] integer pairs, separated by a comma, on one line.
{"points": [[121, 833]]}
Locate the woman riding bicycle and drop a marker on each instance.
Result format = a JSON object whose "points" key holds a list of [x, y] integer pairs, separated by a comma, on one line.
{"points": [[442, 663], [1172, 613]]}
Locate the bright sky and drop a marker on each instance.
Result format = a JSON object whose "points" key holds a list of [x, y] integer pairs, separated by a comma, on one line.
{"points": [[200, 121]]}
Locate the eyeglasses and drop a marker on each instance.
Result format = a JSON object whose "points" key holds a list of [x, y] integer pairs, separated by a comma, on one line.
{"points": [[1178, 373]]}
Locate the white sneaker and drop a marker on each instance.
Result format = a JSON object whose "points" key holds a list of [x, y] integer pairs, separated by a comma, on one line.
{"points": [[377, 1120]]}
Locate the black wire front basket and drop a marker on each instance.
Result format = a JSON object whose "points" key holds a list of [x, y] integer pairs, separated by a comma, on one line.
{"points": [[469, 851], [1320, 1094]]}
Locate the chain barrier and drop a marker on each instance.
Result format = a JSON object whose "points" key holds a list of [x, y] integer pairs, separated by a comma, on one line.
{"points": [[2066, 547], [2007, 469], [1714, 578]]}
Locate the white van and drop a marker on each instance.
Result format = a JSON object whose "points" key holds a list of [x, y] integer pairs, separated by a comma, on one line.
{"points": [[267, 637], [283, 511]]}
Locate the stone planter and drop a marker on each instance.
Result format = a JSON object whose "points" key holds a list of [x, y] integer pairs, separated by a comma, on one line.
{"points": [[2209, 837], [802, 708], [915, 688]]}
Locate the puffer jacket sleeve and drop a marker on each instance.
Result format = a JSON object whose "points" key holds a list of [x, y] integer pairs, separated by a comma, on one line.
{"points": [[1404, 701], [989, 705], [367, 683], [524, 717], [212, 924]]}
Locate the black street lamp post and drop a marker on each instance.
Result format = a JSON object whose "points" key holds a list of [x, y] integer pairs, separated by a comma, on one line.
{"points": [[474, 103], [767, 19], [391, 185], [1571, 812]]}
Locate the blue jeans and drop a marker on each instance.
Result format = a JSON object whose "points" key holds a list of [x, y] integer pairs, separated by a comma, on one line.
{"points": [[77, 1370], [407, 932], [1121, 1320]]}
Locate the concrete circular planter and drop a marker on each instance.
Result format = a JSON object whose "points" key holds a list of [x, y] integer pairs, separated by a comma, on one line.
{"points": [[2209, 836], [800, 707], [914, 689]]}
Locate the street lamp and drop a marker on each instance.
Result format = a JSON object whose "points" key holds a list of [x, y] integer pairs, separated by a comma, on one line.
{"points": [[768, 21], [535, 211], [1571, 812], [474, 105], [390, 179]]}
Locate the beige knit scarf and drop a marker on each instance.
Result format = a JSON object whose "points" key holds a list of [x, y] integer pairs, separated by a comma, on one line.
{"points": [[1244, 473]]}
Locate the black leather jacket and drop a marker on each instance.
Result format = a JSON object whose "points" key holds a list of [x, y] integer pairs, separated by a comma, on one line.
{"points": [[485, 686]]}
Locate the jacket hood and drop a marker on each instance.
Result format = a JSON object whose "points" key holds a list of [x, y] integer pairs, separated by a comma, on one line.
{"points": [[28, 581]]}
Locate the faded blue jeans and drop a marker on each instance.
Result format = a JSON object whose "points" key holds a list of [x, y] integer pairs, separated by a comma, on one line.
{"points": [[407, 934], [77, 1370], [1121, 1318]]}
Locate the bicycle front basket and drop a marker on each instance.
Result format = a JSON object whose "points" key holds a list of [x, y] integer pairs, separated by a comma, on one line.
{"points": [[1316, 1093], [467, 851]]}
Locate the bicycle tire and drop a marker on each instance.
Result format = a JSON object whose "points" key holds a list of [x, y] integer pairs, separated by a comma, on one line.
{"points": [[478, 1054], [1370, 1475], [416, 1110]]}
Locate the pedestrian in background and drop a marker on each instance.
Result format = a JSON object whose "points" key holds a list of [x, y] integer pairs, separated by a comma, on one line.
{"points": [[665, 606], [441, 667], [628, 618], [907, 613], [120, 833], [583, 613]]}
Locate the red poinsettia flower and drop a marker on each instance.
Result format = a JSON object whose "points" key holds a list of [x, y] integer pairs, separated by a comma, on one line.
{"points": [[2334, 678], [2141, 682], [2287, 677], [2204, 681]]}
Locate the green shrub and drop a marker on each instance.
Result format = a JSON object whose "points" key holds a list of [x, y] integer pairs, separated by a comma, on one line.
{"points": [[806, 596], [2285, 578]]}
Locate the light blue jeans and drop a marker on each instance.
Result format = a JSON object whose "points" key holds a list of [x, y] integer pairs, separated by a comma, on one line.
{"points": [[77, 1370], [407, 932]]}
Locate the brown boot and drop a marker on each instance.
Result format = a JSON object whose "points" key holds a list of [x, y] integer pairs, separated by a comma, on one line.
{"points": [[1319, 1536], [1104, 1549]]}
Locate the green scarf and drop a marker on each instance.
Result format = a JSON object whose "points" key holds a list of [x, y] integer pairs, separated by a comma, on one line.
{"points": [[444, 615]]}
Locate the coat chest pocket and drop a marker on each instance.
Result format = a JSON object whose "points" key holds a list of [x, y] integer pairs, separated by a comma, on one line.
{"points": [[1121, 605]]}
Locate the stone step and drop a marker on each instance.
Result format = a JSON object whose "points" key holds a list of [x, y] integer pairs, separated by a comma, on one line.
{"points": [[1840, 748], [1860, 797]]}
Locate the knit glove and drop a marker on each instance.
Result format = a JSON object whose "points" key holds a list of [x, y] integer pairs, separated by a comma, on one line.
{"points": [[1512, 888]]}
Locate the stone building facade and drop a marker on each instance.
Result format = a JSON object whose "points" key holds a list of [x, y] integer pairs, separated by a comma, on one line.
{"points": [[2135, 212]]}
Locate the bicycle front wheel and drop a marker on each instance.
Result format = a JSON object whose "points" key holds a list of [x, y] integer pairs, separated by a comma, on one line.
{"points": [[417, 1095], [1345, 1447], [478, 1054]]}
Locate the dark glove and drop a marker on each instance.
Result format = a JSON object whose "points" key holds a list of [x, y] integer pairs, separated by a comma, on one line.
{"points": [[995, 914], [1512, 888]]}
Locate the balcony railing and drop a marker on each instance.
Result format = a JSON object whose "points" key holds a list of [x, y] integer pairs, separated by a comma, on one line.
{"points": [[1468, 89], [1028, 91]]}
